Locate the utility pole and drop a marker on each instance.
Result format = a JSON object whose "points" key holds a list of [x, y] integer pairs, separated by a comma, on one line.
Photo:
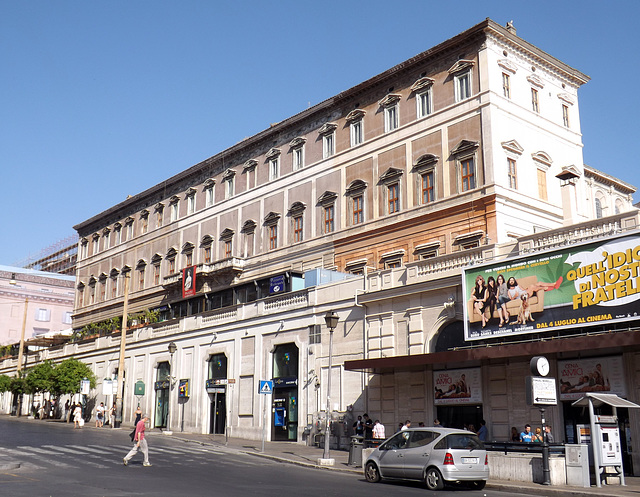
{"points": [[123, 344], [21, 351]]}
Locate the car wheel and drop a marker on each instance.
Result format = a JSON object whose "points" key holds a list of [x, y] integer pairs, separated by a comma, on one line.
{"points": [[477, 485], [433, 479], [371, 472]]}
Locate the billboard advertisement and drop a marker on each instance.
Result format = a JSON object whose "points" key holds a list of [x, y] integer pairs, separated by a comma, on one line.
{"points": [[457, 386], [189, 281], [598, 374], [574, 287]]}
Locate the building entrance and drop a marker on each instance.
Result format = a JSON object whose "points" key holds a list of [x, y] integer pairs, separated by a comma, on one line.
{"points": [[284, 425], [161, 386], [459, 416], [217, 389], [218, 417]]}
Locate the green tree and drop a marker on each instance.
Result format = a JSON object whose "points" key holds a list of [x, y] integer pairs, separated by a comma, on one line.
{"points": [[40, 378], [18, 385], [68, 375], [5, 383]]}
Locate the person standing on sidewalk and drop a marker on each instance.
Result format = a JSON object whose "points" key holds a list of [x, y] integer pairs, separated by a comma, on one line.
{"points": [[140, 443]]}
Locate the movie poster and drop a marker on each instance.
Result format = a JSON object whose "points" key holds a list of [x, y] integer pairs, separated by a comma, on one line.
{"points": [[599, 374], [189, 281], [575, 287], [457, 386]]}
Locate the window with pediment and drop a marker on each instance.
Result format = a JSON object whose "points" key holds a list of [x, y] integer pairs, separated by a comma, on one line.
{"points": [[356, 207], [327, 203], [273, 161], [248, 237], [465, 154], [391, 109], [425, 169], [461, 73], [355, 118], [172, 253], [226, 238], [422, 89], [328, 133], [297, 152], [296, 214], [206, 245], [271, 225], [390, 182]]}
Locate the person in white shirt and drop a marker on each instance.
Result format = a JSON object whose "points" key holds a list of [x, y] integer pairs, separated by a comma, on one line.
{"points": [[378, 430], [406, 425]]}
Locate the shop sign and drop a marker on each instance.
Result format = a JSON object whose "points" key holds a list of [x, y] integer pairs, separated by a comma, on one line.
{"points": [[276, 284], [457, 386], [183, 389], [577, 287], [597, 374], [290, 381], [161, 385]]}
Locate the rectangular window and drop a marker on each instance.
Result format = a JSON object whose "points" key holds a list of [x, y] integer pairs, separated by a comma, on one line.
{"points": [[298, 227], [565, 115], [43, 314], [535, 105], [103, 290], [358, 209], [227, 249], [172, 266], [209, 196], [463, 86], [174, 211], [207, 255], [273, 237], [84, 250], [390, 118], [467, 174], [356, 133], [542, 184], [315, 335], [118, 236], [96, 245], [159, 220], [188, 259], [298, 158], [424, 103], [513, 178], [427, 187], [130, 230], [328, 145], [328, 219], [66, 317], [191, 204], [106, 240], [274, 168], [229, 188], [141, 278], [392, 263], [393, 192], [156, 274], [506, 85], [114, 288]]}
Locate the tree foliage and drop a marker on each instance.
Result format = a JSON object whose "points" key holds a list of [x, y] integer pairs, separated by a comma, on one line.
{"points": [[5, 383], [40, 378], [68, 375]]}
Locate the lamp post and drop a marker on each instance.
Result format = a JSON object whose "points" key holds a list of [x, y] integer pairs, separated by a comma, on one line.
{"points": [[13, 281], [331, 320], [123, 344], [172, 350]]}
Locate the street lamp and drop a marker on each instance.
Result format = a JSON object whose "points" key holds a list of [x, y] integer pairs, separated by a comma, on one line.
{"points": [[172, 350], [331, 320]]}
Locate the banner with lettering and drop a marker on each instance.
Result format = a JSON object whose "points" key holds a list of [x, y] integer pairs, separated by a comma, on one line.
{"points": [[599, 374], [457, 386], [575, 287]]}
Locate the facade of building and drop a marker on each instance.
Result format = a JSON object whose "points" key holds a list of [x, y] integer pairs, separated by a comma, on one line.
{"points": [[41, 302], [467, 153], [57, 258]]}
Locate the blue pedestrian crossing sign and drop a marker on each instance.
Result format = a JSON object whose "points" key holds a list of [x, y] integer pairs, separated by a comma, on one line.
{"points": [[266, 387]]}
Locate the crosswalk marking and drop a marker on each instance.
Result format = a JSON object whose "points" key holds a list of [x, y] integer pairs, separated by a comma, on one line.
{"points": [[103, 457]]}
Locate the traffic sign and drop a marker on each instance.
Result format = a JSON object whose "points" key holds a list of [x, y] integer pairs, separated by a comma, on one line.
{"points": [[266, 387]]}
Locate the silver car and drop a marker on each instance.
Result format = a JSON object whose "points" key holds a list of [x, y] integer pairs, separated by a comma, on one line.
{"points": [[433, 455]]}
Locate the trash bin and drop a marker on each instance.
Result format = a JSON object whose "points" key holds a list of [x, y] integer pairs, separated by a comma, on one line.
{"points": [[355, 451]]}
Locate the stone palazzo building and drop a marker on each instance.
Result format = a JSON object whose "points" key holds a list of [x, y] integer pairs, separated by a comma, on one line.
{"points": [[372, 204]]}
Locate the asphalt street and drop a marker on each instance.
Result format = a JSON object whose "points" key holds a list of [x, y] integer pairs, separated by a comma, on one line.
{"points": [[57, 460]]}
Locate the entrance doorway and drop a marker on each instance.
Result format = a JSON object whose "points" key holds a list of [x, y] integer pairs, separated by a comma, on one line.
{"points": [[460, 416], [217, 388], [284, 426], [162, 395]]}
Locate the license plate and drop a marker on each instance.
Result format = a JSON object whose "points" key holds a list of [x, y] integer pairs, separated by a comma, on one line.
{"points": [[469, 460]]}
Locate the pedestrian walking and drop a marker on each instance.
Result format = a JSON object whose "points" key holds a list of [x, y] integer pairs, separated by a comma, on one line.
{"points": [[77, 417], [378, 430], [140, 443], [100, 415], [112, 415]]}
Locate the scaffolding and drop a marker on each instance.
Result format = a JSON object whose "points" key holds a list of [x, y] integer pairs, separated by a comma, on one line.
{"points": [[59, 257]]}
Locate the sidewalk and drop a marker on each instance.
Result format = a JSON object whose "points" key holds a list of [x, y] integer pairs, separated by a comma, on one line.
{"points": [[304, 455]]}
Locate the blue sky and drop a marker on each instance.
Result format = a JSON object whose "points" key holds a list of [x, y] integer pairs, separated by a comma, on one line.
{"points": [[100, 100]]}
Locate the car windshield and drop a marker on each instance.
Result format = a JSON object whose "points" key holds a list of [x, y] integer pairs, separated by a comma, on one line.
{"points": [[464, 441]]}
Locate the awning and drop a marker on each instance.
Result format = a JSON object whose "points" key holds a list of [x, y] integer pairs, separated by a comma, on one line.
{"points": [[605, 398]]}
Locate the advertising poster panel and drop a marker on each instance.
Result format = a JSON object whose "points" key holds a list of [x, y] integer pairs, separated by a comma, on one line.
{"points": [[457, 386], [189, 281], [574, 287], [599, 374]]}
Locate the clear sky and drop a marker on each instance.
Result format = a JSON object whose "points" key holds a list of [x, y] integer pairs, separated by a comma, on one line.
{"points": [[100, 100]]}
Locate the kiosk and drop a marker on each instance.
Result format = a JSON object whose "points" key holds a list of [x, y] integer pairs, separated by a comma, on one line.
{"points": [[605, 435]]}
